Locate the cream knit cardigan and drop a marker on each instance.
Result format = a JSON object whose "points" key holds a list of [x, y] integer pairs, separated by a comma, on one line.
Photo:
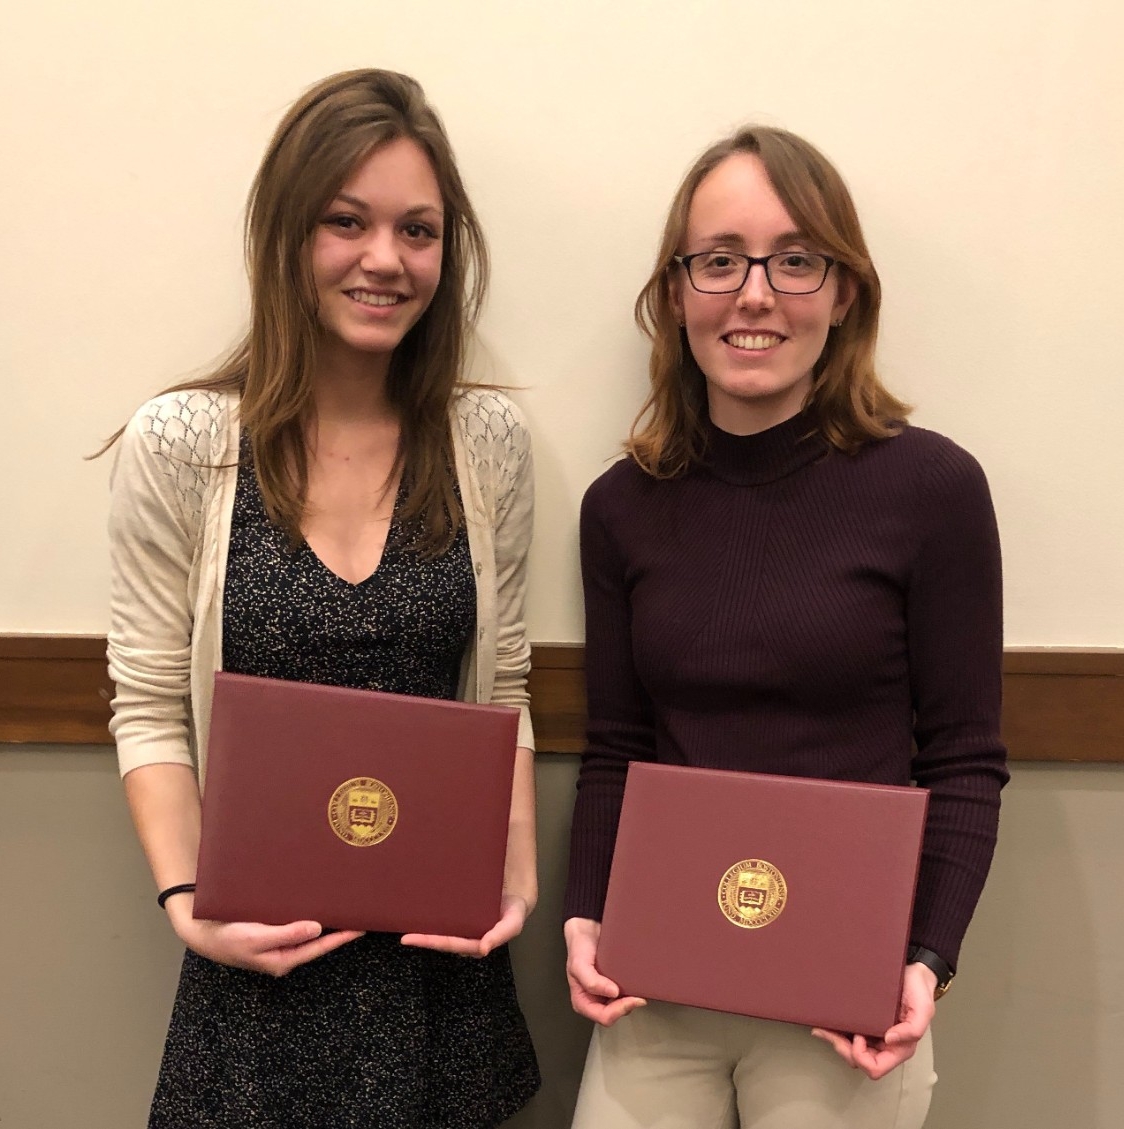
{"points": [[169, 528]]}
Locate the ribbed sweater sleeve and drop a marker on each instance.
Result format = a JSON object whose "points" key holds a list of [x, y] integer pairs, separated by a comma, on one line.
{"points": [[620, 717], [955, 633], [785, 608]]}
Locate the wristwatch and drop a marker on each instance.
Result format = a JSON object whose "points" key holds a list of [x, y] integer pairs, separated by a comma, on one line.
{"points": [[919, 955]]}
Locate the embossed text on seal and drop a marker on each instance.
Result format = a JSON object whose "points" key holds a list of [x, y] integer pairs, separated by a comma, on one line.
{"points": [[752, 893], [363, 811]]}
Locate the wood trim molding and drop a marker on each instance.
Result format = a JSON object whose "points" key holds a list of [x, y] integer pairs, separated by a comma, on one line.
{"points": [[1060, 704], [1064, 705], [54, 690], [557, 686]]}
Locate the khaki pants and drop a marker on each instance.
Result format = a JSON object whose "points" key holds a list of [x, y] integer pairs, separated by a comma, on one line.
{"points": [[671, 1067]]}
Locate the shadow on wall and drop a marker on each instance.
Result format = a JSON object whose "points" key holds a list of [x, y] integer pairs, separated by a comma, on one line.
{"points": [[1017, 1039], [82, 1021], [539, 957]]}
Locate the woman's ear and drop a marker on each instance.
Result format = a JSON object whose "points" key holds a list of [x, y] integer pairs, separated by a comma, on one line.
{"points": [[675, 293], [846, 290]]}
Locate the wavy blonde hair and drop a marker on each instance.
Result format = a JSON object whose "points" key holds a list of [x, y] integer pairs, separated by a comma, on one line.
{"points": [[847, 401], [327, 132]]}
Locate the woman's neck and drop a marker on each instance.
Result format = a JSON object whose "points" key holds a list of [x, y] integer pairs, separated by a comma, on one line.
{"points": [[351, 386]]}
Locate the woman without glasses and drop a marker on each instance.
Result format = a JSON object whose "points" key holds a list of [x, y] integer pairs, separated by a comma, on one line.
{"points": [[331, 505], [781, 576]]}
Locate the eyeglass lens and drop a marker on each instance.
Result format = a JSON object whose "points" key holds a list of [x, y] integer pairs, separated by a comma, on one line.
{"points": [[790, 272]]}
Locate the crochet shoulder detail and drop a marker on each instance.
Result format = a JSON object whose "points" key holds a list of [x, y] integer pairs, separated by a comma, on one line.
{"points": [[497, 442], [185, 431]]}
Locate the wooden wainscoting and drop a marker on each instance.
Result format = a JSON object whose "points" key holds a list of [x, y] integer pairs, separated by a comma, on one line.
{"points": [[54, 690], [1064, 705], [1060, 704]]}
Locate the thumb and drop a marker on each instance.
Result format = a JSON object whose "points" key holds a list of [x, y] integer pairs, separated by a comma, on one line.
{"points": [[593, 981], [295, 933]]}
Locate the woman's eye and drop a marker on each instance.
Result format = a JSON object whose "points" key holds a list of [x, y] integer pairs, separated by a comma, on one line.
{"points": [[419, 231], [343, 223], [718, 263]]}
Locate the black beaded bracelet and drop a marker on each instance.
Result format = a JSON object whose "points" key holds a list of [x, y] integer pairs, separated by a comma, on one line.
{"points": [[182, 888]]}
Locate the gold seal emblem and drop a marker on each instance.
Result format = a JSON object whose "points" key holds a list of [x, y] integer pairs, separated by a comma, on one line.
{"points": [[363, 811], [752, 893]]}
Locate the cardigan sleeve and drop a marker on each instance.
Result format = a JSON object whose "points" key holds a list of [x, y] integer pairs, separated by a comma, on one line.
{"points": [[502, 444], [156, 495]]}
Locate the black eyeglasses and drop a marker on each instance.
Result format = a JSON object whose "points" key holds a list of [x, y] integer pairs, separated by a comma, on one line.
{"points": [[787, 272]]}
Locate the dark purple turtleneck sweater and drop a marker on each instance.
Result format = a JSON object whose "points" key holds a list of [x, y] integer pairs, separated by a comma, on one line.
{"points": [[787, 608]]}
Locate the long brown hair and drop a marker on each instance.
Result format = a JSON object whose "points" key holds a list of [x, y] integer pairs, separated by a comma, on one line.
{"points": [[328, 131], [847, 401]]}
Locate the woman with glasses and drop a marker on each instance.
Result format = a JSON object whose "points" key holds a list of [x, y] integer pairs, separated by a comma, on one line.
{"points": [[781, 576], [334, 505]]}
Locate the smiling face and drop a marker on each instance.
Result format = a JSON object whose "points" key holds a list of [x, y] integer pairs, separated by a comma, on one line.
{"points": [[376, 253], [756, 348]]}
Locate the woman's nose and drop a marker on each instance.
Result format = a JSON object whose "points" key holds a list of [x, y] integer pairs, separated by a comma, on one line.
{"points": [[756, 293], [380, 254]]}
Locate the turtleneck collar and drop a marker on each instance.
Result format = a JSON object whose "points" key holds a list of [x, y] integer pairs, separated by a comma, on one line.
{"points": [[753, 460]]}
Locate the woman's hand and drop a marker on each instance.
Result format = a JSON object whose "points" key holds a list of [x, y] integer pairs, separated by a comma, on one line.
{"points": [[877, 1057], [272, 949], [514, 912], [591, 994]]}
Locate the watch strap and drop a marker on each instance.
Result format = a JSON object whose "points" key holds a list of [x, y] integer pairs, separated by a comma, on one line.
{"points": [[918, 954]]}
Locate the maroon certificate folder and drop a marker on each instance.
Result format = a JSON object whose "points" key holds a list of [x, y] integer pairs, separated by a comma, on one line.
{"points": [[774, 896], [354, 808]]}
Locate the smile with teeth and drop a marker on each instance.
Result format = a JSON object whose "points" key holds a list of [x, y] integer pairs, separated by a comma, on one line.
{"points": [[753, 340], [366, 298]]}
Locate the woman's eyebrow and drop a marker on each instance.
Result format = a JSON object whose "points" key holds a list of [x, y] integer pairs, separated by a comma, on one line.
{"points": [[724, 237], [354, 201], [361, 205], [790, 237], [732, 237]]}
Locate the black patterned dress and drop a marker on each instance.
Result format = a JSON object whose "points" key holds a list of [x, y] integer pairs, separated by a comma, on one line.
{"points": [[374, 1035]]}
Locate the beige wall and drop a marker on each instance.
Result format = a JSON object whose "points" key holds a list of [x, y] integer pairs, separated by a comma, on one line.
{"points": [[982, 142], [981, 138], [1030, 1037]]}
